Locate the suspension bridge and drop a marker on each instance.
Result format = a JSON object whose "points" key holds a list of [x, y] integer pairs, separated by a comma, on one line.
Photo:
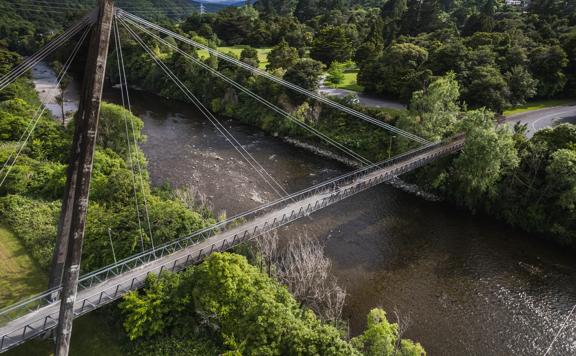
{"points": [[71, 295]]}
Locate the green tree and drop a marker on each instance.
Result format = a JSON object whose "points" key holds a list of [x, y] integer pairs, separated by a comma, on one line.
{"points": [[561, 179], [250, 55], [331, 44], [392, 13], [335, 73], [381, 338], [521, 84], [569, 45], [547, 64], [304, 73], [398, 72], [488, 149], [486, 87], [435, 110], [372, 46], [148, 313], [282, 56], [238, 306], [118, 128], [422, 16]]}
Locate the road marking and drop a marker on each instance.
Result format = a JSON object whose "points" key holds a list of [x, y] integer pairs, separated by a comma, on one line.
{"points": [[549, 116]]}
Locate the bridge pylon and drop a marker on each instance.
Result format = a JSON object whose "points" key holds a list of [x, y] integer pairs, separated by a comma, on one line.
{"points": [[75, 204]]}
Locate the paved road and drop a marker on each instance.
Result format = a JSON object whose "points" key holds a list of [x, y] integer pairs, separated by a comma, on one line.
{"points": [[539, 119], [365, 99]]}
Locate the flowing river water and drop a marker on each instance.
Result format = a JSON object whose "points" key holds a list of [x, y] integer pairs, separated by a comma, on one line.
{"points": [[469, 285]]}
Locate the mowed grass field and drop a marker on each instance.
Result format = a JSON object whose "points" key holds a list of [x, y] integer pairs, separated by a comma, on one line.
{"points": [[262, 53], [350, 77], [20, 277], [350, 82]]}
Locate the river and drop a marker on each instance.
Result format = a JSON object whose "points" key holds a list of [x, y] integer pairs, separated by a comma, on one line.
{"points": [[468, 284]]}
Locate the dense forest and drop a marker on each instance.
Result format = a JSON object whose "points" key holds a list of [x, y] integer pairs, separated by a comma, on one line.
{"points": [[457, 66], [208, 309], [502, 55], [458, 76]]}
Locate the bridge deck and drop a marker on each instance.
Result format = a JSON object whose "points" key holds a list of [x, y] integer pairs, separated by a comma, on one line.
{"points": [[45, 318]]}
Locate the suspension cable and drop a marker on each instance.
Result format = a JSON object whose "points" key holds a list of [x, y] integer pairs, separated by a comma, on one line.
{"points": [[31, 61], [34, 121], [123, 14], [118, 48], [138, 166], [260, 99], [237, 146]]}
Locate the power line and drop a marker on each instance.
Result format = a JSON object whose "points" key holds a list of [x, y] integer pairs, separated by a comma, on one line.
{"points": [[280, 81], [39, 114], [256, 97], [118, 47], [237, 146], [134, 139], [31, 61]]}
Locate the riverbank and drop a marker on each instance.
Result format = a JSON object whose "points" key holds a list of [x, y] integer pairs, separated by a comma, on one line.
{"points": [[443, 267]]}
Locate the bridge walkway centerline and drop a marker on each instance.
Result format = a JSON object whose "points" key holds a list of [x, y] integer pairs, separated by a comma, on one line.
{"points": [[43, 319]]}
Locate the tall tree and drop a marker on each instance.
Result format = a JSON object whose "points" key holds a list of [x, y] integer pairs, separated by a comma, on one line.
{"points": [[331, 44], [490, 150], [282, 56], [305, 73], [435, 110], [486, 87], [547, 64], [398, 72]]}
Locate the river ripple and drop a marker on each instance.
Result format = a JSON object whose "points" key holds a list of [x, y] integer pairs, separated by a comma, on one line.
{"points": [[469, 285]]}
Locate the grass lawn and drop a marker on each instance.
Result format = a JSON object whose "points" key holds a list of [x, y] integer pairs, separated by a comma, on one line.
{"points": [[20, 277], [262, 53], [349, 82], [538, 104]]}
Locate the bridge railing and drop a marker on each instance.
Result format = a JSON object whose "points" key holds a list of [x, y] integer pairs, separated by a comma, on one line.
{"points": [[328, 187]]}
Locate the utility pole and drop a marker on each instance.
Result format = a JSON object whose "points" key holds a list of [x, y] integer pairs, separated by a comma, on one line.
{"points": [[80, 172]]}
